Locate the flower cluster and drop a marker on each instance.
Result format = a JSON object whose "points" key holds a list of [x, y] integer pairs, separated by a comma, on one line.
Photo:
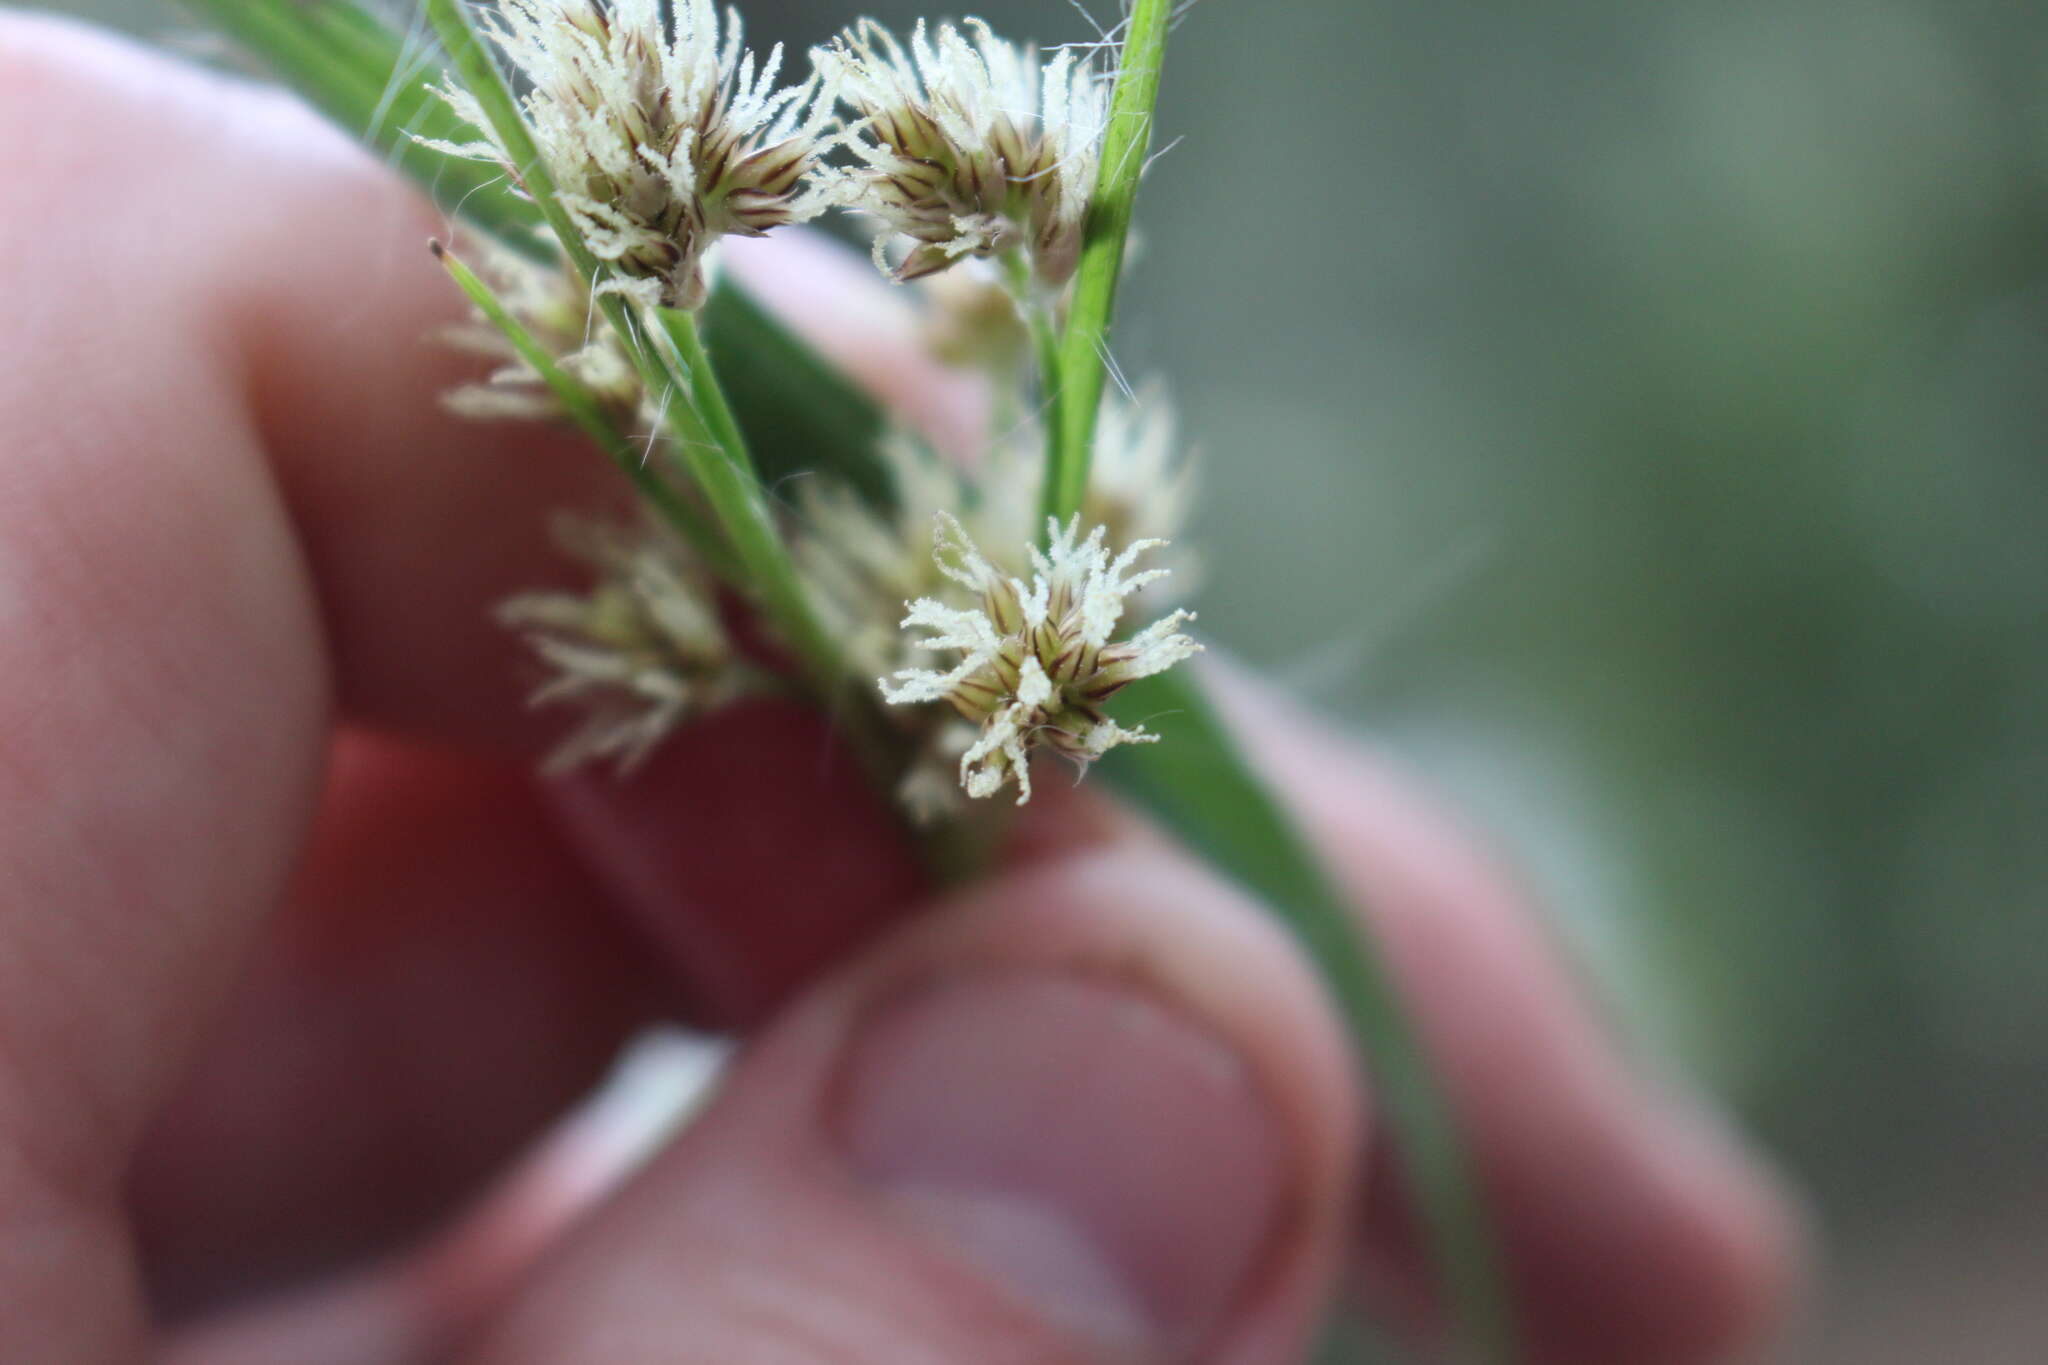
{"points": [[662, 136], [659, 138], [862, 562], [970, 147], [659, 133], [640, 652], [643, 650], [1035, 662]]}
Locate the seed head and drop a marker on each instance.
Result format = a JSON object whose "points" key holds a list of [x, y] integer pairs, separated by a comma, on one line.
{"points": [[1036, 662], [642, 651], [659, 139], [971, 147]]}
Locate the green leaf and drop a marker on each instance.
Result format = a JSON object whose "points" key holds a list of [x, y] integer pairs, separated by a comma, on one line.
{"points": [[799, 414], [1196, 781]]}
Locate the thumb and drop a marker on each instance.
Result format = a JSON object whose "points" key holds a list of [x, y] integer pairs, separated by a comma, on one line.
{"points": [[1092, 1111]]}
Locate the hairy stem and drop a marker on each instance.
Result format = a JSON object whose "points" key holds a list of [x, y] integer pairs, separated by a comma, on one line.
{"points": [[1045, 349], [705, 391], [1084, 346]]}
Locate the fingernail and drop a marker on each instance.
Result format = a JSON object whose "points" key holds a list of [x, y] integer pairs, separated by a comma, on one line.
{"points": [[1106, 1162]]}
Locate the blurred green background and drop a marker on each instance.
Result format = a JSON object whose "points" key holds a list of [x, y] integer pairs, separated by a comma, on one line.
{"points": [[1638, 415]]}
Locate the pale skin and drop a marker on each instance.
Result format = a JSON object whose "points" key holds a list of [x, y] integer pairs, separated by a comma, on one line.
{"points": [[278, 997]]}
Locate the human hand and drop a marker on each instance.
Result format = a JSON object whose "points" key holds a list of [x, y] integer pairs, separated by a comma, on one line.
{"points": [[1091, 1109]]}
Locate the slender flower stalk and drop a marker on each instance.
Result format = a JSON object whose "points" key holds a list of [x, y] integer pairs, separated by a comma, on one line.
{"points": [[1084, 344], [541, 384], [546, 303]]}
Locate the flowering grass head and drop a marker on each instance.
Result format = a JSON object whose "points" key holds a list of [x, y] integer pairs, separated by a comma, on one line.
{"points": [[640, 142], [970, 146], [1036, 662], [659, 138], [639, 653]]}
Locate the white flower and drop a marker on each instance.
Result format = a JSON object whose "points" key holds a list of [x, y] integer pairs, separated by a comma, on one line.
{"points": [[863, 561], [640, 653], [972, 148], [658, 139], [1036, 662]]}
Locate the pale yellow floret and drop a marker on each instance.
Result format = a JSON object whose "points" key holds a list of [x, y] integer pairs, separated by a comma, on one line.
{"points": [[638, 654], [1033, 663], [660, 137], [970, 145]]}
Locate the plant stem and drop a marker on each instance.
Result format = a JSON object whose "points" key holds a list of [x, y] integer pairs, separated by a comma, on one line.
{"points": [[480, 76], [1084, 345], [728, 483], [1045, 348], [708, 440], [705, 391], [584, 409]]}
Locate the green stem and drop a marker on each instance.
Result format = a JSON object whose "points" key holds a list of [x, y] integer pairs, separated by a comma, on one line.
{"points": [[672, 364], [586, 411], [1045, 348], [1084, 345], [705, 390], [718, 464], [736, 498], [480, 76]]}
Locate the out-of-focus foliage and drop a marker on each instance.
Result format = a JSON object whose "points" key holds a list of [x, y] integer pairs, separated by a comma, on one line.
{"points": [[1638, 414]]}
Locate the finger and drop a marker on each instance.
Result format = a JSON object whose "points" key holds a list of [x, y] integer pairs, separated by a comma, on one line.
{"points": [[163, 702], [245, 501], [1091, 1111], [1636, 1231], [416, 1309], [443, 982], [747, 854]]}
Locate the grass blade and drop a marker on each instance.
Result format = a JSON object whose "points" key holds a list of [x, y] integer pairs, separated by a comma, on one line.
{"points": [[371, 80], [1197, 783]]}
